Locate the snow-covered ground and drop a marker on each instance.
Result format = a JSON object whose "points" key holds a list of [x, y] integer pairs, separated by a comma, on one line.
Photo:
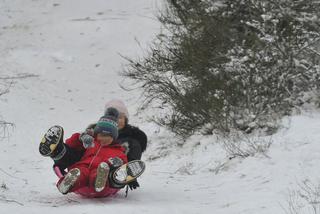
{"points": [[71, 52]]}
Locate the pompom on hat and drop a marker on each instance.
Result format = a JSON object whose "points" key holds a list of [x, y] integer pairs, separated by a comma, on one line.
{"points": [[119, 105]]}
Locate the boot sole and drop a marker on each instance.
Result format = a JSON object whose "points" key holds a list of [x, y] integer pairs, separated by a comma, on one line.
{"points": [[102, 177], [46, 148], [128, 172], [69, 180]]}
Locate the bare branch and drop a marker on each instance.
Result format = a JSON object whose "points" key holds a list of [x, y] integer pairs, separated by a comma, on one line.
{"points": [[20, 76], [3, 198]]}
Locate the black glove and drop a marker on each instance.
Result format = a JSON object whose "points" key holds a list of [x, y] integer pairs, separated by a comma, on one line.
{"points": [[133, 184], [115, 162]]}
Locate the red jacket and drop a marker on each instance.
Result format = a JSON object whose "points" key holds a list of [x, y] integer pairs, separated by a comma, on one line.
{"points": [[92, 157]]}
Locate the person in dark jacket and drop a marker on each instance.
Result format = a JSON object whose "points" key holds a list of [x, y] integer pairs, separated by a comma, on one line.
{"points": [[132, 138]]}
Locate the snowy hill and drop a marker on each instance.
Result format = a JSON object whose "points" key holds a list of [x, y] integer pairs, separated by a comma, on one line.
{"points": [[63, 60]]}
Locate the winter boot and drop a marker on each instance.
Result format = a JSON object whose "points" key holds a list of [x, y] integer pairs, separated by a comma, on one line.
{"points": [[102, 176], [69, 180], [128, 172], [52, 142]]}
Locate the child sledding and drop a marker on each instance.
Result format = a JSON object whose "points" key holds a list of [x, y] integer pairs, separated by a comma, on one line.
{"points": [[102, 169]]}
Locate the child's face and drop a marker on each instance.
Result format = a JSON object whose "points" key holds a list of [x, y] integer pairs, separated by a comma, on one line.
{"points": [[104, 139], [121, 121]]}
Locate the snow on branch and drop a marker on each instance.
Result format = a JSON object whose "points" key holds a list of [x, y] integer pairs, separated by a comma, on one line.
{"points": [[19, 76]]}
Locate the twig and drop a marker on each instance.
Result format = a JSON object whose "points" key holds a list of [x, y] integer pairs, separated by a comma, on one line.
{"points": [[4, 123], [3, 198], [4, 129], [25, 180], [21, 76]]}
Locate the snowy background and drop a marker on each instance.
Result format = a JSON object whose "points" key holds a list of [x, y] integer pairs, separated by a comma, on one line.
{"points": [[62, 59]]}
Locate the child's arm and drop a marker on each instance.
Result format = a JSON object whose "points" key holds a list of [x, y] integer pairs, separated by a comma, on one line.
{"points": [[118, 160], [75, 143]]}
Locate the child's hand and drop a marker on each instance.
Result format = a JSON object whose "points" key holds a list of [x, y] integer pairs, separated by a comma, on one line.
{"points": [[115, 162], [87, 140], [134, 184]]}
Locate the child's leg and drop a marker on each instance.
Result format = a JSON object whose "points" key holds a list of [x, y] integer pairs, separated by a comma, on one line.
{"points": [[71, 156], [83, 180], [66, 182], [98, 178], [73, 180]]}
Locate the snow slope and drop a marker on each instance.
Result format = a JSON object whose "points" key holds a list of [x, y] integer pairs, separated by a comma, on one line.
{"points": [[71, 50]]}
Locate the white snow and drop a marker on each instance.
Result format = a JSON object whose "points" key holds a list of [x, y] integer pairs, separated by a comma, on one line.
{"points": [[72, 47]]}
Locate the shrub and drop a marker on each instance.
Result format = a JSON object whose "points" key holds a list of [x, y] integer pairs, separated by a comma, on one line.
{"points": [[224, 64]]}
